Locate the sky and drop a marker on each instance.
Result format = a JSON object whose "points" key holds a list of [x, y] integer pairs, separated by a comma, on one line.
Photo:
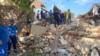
{"points": [[76, 6]]}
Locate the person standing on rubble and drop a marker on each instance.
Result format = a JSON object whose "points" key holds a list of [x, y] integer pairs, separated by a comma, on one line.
{"points": [[62, 16], [47, 16], [56, 18], [68, 16], [51, 16], [95, 13], [12, 28], [42, 14], [37, 15], [3, 36]]}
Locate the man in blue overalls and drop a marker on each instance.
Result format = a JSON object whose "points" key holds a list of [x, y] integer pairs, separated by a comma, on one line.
{"points": [[3, 37], [12, 36]]}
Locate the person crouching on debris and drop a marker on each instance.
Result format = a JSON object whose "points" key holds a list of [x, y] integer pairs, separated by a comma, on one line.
{"points": [[95, 13], [12, 36]]}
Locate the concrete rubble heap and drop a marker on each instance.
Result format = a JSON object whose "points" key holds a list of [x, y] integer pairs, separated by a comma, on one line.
{"points": [[72, 40], [48, 39]]}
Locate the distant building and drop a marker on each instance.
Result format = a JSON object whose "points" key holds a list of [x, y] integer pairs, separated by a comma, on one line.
{"points": [[37, 3]]}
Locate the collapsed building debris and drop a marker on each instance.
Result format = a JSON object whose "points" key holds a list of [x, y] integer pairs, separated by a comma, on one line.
{"points": [[74, 36]]}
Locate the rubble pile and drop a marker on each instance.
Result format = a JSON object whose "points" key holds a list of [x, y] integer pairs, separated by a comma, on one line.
{"points": [[49, 37], [46, 38], [94, 31]]}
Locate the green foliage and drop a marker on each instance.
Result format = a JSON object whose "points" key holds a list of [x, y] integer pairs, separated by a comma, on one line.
{"points": [[23, 5], [43, 6]]}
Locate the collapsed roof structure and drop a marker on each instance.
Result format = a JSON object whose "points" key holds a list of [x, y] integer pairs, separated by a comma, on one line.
{"points": [[89, 13], [87, 17]]}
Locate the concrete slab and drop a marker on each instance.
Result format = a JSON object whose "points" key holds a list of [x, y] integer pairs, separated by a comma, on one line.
{"points": [[38, 30]]}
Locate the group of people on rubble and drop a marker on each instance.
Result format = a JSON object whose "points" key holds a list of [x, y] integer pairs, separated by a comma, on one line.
{"points": [[8, 35], [56, 17], [9, 31]]}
